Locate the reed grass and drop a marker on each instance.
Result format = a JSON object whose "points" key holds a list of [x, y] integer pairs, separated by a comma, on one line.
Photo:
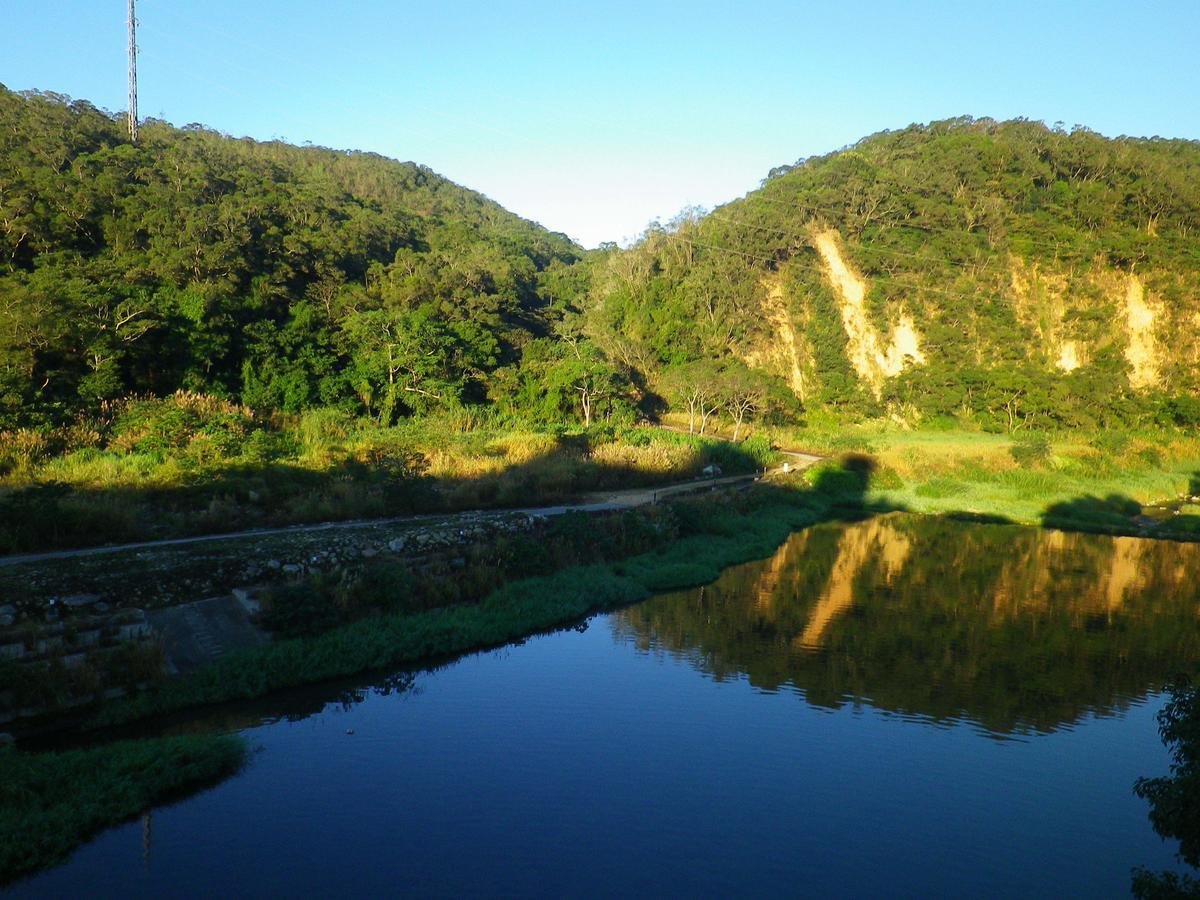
{"points": [[52, 802]]}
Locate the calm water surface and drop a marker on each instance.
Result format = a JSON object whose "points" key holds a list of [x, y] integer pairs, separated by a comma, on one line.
{"points": [[899, 706]]}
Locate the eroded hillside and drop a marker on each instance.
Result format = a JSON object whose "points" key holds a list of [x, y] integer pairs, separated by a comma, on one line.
{"points": [[1002, 271]]}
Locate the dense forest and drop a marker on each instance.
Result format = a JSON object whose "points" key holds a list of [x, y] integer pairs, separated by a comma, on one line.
{"points": [[1005, 275], [278, 276]]}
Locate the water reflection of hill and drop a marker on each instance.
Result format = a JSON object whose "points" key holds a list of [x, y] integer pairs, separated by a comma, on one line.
{"points": [[1015, 628]]}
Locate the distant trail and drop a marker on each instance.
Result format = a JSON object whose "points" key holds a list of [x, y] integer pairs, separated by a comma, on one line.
{"points": [[594, 502]]}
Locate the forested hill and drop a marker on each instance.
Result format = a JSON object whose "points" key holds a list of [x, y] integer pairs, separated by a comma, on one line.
{"points": [[280, 276], [1002, 272]]}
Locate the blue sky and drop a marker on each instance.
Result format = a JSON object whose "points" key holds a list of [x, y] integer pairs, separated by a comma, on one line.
{"points": [[595, 118]]}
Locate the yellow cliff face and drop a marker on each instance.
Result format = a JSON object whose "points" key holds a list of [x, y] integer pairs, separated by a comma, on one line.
{"points": [[778, 568], [1039, 303], [1041, 300], [873, 357], [1068, 356], [1124, 571], [787, 351], [1141, 351]]}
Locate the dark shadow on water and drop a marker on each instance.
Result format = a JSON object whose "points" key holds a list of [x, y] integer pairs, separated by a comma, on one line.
{"points": [[1113, 514]]}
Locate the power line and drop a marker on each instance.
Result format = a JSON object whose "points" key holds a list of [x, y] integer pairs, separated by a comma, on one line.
{"points": [[1053, 245], [794, 263], [860, 247]]}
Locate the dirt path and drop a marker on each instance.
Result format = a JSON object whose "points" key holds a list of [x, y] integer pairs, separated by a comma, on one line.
{"points": [[593, 502], [598, 502]]}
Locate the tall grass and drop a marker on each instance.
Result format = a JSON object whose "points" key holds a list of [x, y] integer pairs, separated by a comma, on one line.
{"points": [[191, 464], [52, 802]]}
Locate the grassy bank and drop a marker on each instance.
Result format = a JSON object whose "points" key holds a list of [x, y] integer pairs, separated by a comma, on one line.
{"points": [[191, 464], [712, 536], [1075, 481], [50, 803]]}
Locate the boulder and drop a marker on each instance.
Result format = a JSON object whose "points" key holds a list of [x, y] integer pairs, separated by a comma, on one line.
{"points": [[76, 601]]}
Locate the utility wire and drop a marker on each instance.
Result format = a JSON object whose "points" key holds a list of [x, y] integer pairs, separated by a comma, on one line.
{"points": [[794, 263], [857, 247], [1053, 245]]}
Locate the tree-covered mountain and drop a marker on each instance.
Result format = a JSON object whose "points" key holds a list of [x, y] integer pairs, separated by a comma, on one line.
{"points": [[276, 275], [1002, 272]]}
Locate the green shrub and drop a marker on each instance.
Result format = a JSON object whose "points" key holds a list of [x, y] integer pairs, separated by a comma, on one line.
{"points": [[1182, 525], [523, 556], [1151, 457], [297, 610], [170, 426], [22, 449], [322, 430], [885, 478], [268, 446], [52, 802], [1031, 451]]}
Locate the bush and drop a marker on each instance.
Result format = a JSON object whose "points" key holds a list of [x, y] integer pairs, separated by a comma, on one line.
{"points": [[1031, 451], [886, 478], [383, 584], [322, 430], [300, 610], [171, 426], [22, 449], [1151, 456]]}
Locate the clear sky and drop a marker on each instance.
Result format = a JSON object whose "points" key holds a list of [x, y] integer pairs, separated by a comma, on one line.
{"points": [[596, 118]]}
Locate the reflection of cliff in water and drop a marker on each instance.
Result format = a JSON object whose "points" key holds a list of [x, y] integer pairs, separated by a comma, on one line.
{"points": [[1012, 627]]}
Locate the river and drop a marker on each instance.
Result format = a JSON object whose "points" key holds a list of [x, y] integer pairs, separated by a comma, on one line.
{"points": [[901, 706]]}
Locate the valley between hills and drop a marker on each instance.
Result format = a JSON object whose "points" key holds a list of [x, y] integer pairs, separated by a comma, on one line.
{"points": [[975, 323]]}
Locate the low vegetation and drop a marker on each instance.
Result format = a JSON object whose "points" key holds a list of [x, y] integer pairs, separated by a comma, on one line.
{"points": [[195, 464], [1073, 480], [52, 802]]}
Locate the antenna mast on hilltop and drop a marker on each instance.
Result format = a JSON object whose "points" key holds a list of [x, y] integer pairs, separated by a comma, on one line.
{"points": [[133, 115]]}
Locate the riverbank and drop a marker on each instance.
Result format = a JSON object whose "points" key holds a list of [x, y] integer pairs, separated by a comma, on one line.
{"points": [[711, 535], [50, 803], [397, 609], [1134, 483], [705, 536]]}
